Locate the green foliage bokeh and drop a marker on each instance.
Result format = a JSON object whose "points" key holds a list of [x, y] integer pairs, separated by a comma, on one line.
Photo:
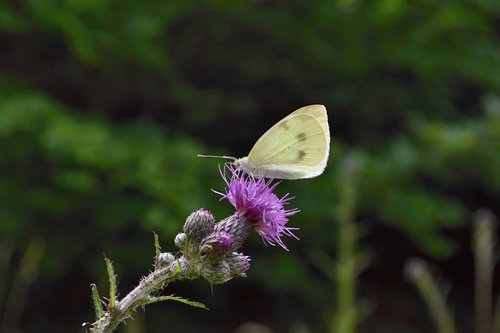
{"points": [[105, 104]]}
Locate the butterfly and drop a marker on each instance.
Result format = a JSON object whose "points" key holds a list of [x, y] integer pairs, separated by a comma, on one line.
{"points": [[296, 147]]}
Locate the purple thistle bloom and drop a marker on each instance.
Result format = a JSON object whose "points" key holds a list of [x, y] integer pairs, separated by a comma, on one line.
{"points": [[220, 241], [254, 199]]}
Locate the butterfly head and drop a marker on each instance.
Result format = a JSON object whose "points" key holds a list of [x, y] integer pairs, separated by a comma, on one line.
{"points": [[244, 165], [240, 163]]}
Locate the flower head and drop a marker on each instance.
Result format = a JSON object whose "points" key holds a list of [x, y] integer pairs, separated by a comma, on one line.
{"points": [[199, 224], [217, 243], [255, 200]]}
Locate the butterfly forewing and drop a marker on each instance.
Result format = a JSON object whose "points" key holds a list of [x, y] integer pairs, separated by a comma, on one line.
{"points": [[296, 147]]}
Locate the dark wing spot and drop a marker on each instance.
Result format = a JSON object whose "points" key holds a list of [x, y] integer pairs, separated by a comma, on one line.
{"points": [[301, 136], [301, 155], [285, 126]]}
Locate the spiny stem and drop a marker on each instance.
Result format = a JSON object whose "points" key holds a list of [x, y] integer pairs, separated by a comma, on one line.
{"points": [[137, 297], [191, 264]]}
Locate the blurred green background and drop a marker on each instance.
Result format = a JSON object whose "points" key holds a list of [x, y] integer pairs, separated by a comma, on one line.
{"points": [[104, 105]]}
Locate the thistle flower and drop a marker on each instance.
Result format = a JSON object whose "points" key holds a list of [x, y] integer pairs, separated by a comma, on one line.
{"points": [[208, 249], [257, 208], [216, 244]]}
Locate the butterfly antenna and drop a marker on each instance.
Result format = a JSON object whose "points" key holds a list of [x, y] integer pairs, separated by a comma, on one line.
{"points": [[215, 156]]}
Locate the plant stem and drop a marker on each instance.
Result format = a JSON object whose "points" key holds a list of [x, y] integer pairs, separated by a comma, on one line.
{"points": [[484, 227], [419, 273], [25, 276], [346, 317], [141, 294]]}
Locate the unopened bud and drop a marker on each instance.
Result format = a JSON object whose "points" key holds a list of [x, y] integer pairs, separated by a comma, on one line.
{"points": [[238, 227], [164, 259], [199, 224], [180, 240], [238, 263], [216, 244], [217, 273]]}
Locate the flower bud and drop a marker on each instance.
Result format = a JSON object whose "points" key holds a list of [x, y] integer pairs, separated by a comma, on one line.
{"points": [[189, 269], [164, 259], [217, 273], [180, 240], [199, 224], [217, 244], [237, 227], [238, 263]]}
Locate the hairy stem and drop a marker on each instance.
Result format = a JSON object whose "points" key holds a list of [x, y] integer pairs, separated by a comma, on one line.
{"points": [[139, 296]]}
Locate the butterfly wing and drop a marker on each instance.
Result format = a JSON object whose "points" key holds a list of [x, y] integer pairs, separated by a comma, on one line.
{"points": [[296, 147]]}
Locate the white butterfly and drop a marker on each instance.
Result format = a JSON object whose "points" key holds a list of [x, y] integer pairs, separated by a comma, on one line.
{"points": [[296, 147]]}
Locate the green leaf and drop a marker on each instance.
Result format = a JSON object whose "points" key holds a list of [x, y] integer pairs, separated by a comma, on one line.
{"points": [[112, 283], [157, 244], [97, 302], [177, 299]]}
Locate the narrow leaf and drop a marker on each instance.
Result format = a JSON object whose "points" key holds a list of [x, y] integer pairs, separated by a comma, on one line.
{"points": [[97, 302], [112, 283], [177, 299], [157, 244]]}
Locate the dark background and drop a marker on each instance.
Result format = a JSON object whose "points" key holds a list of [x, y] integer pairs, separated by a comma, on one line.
{"points": [[105, 104]]}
